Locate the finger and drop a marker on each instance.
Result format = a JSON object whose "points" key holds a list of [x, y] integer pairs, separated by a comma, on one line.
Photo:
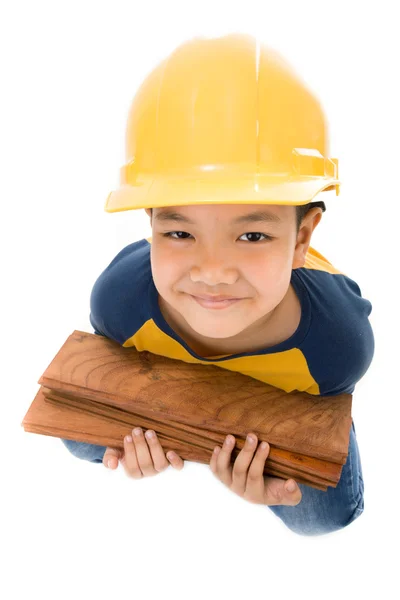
{"points": [[248, 464], [143, 455], [130, 462], [272, 489], [160, 462], [275, 492], [293, 493], [255, 483], [176, 461], [222, 467], [111, 457]]}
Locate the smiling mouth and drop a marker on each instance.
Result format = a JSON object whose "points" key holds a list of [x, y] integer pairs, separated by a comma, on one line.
{"points": [[216, 304]]}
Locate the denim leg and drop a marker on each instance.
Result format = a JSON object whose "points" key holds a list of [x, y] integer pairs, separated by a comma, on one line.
{"points": [[321, 512], [89, 452]]}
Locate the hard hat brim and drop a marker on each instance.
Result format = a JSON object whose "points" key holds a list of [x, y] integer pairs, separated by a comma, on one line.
{"points": [[154, 192]]}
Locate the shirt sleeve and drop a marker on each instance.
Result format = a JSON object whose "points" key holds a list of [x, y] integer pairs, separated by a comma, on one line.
{"points": [[339, 345]]}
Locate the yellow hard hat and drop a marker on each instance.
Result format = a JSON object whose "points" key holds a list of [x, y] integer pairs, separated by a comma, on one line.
{"points": [[224, 120]]}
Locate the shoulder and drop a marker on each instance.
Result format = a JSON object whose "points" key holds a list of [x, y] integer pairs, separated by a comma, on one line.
{"points": [[339, 346], [332, 292], [119, 295]]}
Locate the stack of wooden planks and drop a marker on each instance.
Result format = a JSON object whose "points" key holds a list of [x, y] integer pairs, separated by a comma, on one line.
{"points": [[96, 391]]}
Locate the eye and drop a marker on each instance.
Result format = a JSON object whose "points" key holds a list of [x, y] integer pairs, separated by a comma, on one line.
{"points": [[169, 234], [267, 237]]}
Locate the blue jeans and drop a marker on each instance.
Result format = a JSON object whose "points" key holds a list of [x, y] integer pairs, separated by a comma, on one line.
{"points": [[324, 512], [317, 513]]}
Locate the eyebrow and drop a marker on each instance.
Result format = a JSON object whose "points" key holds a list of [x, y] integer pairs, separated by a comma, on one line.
{"points": [[253, 217]]}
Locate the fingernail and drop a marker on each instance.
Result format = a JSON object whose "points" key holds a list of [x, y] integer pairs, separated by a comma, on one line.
{"points": [[128, 438], [109, 464]]}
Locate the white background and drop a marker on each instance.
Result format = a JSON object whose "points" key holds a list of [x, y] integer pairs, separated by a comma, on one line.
{"points": [[73, 529]]}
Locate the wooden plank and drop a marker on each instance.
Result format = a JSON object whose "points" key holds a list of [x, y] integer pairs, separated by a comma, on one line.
{"points": [[206, 396], [294, 462], [103, 389], [48, 418]]}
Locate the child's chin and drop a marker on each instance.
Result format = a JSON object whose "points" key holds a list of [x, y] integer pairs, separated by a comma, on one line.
{"points": [[209, 328]]}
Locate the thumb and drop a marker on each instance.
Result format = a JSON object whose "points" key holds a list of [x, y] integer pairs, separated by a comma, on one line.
{"points": [[111, 457], [293, 493]]}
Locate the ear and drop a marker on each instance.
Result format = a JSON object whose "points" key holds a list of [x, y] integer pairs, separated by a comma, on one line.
{"points": [[307, 226], [148, 212]]}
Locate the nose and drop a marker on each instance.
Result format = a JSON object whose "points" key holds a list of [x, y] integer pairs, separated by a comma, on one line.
{"points": [[212, 268]]}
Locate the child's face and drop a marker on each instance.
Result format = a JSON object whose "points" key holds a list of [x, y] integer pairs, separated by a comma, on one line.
{"points": [[216, 256]]}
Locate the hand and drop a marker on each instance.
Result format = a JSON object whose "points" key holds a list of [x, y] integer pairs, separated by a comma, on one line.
{"points": [[136, 458], [250, 483]]}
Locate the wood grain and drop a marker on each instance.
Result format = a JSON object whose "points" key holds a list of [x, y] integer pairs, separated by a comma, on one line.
{"points": [[103, 389]]}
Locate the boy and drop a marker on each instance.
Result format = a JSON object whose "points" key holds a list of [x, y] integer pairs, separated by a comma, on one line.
{"points": [[226, 148]]}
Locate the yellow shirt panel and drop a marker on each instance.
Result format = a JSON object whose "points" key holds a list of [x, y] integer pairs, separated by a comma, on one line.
{"points": [[269, 368]]}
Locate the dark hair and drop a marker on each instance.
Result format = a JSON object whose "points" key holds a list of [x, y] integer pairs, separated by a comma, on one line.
{"points": [[301, 211]]}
